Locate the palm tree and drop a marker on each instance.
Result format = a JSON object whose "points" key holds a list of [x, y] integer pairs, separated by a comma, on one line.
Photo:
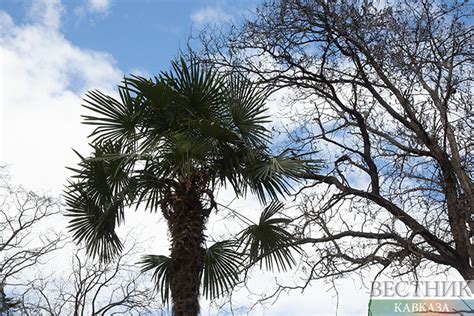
{"points": [[166, 144]]}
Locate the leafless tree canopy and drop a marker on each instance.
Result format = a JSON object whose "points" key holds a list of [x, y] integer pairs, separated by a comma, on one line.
{"points": [[22, 245], [90, 288], [78, 286], [387, 94]]}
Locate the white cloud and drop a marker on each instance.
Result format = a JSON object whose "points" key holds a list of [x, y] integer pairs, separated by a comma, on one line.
{"points": [[43, 79], [99, 5], [93, 6], [210, 15], [6, 23], [46, 12]]}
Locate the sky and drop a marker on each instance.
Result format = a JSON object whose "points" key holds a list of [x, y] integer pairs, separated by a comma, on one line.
{"points": [[141, 35], [52, 52]]}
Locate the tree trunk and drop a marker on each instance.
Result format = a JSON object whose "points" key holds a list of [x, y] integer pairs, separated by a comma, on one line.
{"points": [[186, 224]]}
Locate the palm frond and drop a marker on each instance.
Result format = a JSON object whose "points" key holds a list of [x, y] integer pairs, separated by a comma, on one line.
{"points": [[96, 197], [221, 267], [162, 106], [161, 274], [268, 241], [182, 153], [106, 173], [215, 130], [228, 167], [272, 175], [200, 86], [247, 109], [115, 120], [151, 183], [94, 224]]}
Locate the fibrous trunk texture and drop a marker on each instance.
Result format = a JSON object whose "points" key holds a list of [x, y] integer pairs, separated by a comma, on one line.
{"points": [[186, 224]]}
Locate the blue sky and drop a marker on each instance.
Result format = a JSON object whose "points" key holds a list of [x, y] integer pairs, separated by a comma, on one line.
{"points": [[53, 51], [141, 35]]}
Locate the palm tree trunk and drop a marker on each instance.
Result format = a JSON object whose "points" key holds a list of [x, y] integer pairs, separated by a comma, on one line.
{"points": [[186, 224]]}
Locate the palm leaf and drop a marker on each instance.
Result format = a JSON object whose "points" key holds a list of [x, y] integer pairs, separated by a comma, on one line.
{"points": [[151, 184], [201, 88], [115, 120], [97, 197], [247, 109], [268, 242], [221, 267], [272, 175], [162, 106], [93, 224], [220, 272], [215, 130], [161, 274]]}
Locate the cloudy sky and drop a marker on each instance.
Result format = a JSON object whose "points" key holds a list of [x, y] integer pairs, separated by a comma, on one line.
{"points": [[51, 52]]}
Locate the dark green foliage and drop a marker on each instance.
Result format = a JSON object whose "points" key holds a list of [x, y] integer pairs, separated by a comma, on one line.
{"points": [[268, 241], [219, 274], [184, 132], [221, 269], [161, 274]]}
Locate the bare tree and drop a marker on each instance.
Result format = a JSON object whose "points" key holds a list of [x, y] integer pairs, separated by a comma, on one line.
{"points": [[387, 94], [23, 244], [93, 288], [27, 243]]}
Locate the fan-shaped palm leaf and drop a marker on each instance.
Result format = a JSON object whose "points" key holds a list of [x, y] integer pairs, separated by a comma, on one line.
{"points": [[247, 110], [96, 199], [93, 224], [161, 274], [150, 184], [221, 267], [268, 241], [220, 272], [115, 120], [202, 88], [271, 175], [161, 107]]}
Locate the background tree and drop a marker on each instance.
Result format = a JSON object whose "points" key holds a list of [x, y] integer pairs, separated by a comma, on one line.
{"points": [[168, 143], [386, 89], [89, 288], [25, 238]]}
